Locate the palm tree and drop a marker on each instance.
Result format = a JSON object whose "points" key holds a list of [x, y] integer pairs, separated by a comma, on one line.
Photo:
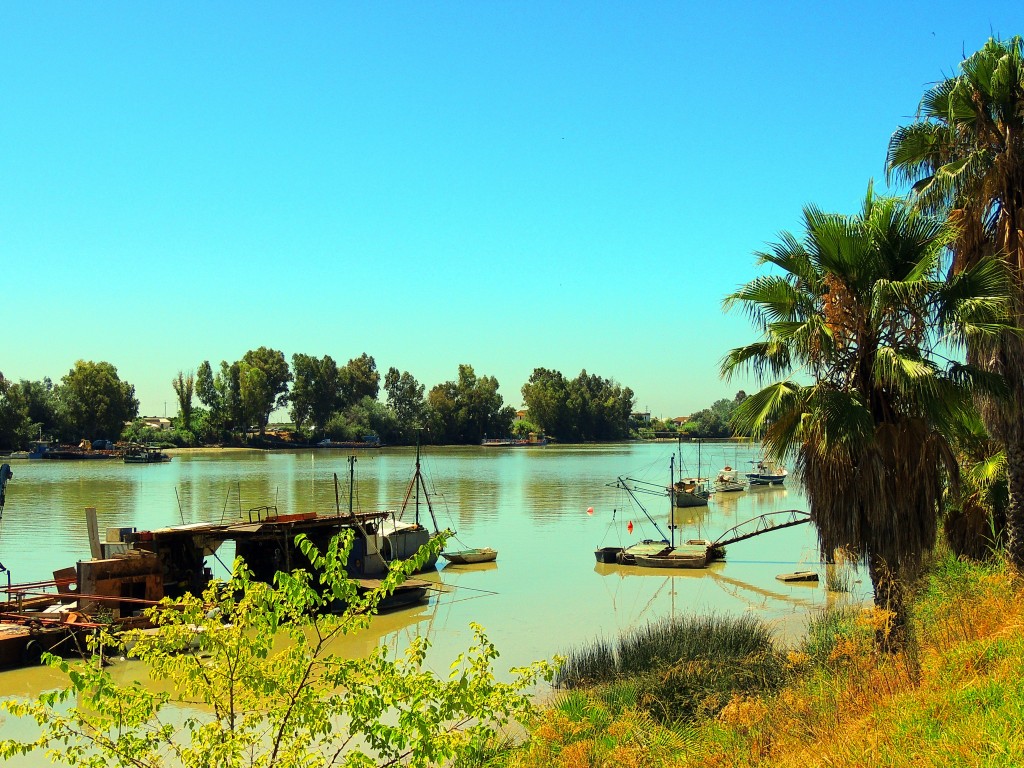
{"points": [[854, 332], [964, 156]]}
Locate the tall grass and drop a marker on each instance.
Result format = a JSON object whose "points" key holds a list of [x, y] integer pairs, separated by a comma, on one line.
{"points": [[682, 666]]}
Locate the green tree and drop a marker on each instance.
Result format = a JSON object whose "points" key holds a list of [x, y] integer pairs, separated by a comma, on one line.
{"points": [[405, 397], [965, 157], [467, 410], [545, 395], [860, 308], [184, 385], [94, 402], [256, 658], [220, 394], [315, 391], [15, 424], [358, 379], [263, 377]]}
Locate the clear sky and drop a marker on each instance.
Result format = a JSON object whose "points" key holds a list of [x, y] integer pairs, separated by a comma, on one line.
{"points": [[509, 185]]}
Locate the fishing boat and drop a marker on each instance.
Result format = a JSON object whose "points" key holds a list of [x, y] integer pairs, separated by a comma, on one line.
{"points": [[690, 491], [471, 556], [728, 481], [767, 472]]}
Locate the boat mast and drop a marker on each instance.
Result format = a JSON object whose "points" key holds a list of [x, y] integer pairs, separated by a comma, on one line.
{"points": [[418, 478], [672, 500]]}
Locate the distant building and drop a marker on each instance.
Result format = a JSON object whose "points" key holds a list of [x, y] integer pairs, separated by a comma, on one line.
{"points": [[157, 422], [680, 420], [521, 415], [641, 418]]}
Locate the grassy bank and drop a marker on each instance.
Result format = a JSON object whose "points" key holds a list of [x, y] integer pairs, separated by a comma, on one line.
{"points": [[955, 697]]}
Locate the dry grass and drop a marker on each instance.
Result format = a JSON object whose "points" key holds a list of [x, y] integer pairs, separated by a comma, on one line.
{"points": [[954, 698]]}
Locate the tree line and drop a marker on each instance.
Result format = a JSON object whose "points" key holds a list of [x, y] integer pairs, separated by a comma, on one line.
{"points": [[233, 403]]}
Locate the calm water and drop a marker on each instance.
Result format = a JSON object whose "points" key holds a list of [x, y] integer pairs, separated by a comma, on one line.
{"points": [[545, 594]]}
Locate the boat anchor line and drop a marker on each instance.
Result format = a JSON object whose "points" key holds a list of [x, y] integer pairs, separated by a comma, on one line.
{"points": [[770, 521]]}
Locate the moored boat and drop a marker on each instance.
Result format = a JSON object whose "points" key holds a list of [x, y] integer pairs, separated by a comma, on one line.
{"points": [[471, 556], [679, 557], [767, 472], [728, 481]]}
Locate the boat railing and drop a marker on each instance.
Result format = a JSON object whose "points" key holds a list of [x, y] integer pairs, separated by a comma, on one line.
{"points": [[259, 514]]}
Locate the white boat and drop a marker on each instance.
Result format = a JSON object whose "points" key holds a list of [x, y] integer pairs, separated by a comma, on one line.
{"points": [[728, 481], [767, 472]]}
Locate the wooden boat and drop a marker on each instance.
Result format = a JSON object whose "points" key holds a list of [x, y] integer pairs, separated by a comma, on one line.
{"points": [[798, 576], [471, 556], [767, 473]]}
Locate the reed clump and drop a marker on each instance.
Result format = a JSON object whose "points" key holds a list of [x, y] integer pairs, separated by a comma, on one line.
{"points": [[954, 696], [681, 667]]}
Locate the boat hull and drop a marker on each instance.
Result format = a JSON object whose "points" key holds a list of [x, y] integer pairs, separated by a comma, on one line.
{"points": [[672, 561], [607, 554]]}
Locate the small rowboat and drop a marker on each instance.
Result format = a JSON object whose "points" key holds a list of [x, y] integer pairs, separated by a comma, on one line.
{"points": [[798, 576], [471, 556]]}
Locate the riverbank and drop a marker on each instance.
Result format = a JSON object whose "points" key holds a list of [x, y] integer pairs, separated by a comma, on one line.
{"points": [[954, 697]]}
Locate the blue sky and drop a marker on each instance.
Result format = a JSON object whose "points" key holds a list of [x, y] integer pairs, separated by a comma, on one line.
{"points": [[509, 185]]}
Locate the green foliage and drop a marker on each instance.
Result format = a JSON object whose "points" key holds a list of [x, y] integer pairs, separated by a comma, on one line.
{"points": [[585, 408], [94, 401], [250, 665], [469, 409]]}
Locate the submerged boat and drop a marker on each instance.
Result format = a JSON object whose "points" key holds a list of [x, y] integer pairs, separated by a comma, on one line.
{"points": [[767, 472], [471, 556]]}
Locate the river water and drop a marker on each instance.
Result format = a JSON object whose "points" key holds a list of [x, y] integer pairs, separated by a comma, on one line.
{"points": [[544, 595]]}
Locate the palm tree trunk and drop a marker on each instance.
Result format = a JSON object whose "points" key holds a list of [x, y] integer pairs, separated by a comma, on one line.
{"points": [[890, 597], [1015, 509]]}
